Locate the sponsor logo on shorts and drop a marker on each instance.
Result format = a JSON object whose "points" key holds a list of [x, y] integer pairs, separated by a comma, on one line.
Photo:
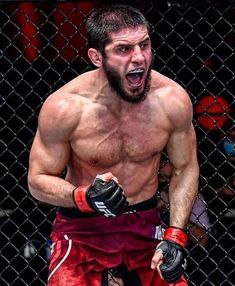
{"points": [[158, 232]]}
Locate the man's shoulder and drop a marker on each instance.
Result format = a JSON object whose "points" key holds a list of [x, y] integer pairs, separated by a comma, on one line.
{"points": [[167, 90], [172, 97], [164, 83]]}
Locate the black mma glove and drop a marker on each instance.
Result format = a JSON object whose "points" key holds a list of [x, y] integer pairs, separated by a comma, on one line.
{"points": [[174, 254], [104, 197]]}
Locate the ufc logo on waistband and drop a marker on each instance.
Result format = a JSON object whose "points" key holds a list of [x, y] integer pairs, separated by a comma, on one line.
{"points": [[102, 208]]}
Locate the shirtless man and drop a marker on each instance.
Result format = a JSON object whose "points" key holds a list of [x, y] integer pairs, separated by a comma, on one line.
{"points": [[107, 128]]}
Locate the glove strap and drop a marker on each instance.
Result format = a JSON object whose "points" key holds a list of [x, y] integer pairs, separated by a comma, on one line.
{"points": [[176, 235], [79, 196]]}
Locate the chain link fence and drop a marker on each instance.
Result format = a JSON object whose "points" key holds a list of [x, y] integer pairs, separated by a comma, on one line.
{"points": [[43, 46]]}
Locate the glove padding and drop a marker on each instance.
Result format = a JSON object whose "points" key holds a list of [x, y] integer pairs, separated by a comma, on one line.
{"points": [[174, 261], [104, 197]]}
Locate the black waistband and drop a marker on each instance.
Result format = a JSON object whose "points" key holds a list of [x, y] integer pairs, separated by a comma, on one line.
{"points": [[76, 213]]}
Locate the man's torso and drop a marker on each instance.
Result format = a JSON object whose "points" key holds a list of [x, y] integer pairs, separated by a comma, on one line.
{"points": [[125, 139]]}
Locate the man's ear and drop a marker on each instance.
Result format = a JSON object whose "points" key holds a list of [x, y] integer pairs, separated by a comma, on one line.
{"points": [[95, 57]]}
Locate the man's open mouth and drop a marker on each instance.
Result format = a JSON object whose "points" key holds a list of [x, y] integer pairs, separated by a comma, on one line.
{"points": [[135, 77]]}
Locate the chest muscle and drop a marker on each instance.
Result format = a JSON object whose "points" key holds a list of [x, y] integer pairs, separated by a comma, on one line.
{"points": [[105, 141]]}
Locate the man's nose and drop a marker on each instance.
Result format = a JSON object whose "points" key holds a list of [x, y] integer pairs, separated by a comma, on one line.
{"points": [[137, 55]]}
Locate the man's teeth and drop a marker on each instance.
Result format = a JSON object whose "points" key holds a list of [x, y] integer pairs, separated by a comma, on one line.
{"points": [[136, 71]]}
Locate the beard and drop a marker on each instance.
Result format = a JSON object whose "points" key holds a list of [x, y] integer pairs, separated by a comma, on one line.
{"points": [[115, 82]]}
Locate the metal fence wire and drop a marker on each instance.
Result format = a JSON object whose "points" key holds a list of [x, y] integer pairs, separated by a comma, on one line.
{"points": [[43, 46]]}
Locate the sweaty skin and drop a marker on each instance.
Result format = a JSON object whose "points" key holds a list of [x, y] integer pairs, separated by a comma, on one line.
{"points": [[87, 129]]}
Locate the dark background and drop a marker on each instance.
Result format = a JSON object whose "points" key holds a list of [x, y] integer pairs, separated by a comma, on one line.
{"points": [[43, 46]]}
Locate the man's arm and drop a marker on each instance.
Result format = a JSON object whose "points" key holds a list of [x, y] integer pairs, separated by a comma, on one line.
{"points": [[184, 182], [170, 254], [48, 157]]}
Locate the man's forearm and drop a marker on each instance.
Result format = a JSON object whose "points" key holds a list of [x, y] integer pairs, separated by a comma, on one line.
{"points": [[182, 192], [52, 190]]}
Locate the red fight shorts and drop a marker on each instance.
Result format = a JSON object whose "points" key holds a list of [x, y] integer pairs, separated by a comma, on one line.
{"points": [[85, 246]]}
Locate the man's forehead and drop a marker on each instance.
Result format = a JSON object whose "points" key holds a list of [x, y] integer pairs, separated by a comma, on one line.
{"points": [[128, 35]]}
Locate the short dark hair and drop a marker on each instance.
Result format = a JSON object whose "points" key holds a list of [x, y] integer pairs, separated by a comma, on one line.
{"points": [[109, 19]]}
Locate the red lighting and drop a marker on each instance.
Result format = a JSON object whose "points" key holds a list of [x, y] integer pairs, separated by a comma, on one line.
{"points": [[212, 112]]}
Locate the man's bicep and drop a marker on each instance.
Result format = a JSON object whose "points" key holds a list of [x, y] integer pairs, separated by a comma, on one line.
{"points": [[48, 157], [181, 148]]}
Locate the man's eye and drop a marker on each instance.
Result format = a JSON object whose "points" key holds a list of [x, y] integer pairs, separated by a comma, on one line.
{"points": [[124, 49], [144, 45]]}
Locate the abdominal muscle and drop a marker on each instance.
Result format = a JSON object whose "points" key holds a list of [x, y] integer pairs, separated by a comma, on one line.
{"points": [[138, 179]]}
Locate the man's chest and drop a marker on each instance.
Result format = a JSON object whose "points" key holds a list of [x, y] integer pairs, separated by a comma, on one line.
{"points": [[106, 141]]}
